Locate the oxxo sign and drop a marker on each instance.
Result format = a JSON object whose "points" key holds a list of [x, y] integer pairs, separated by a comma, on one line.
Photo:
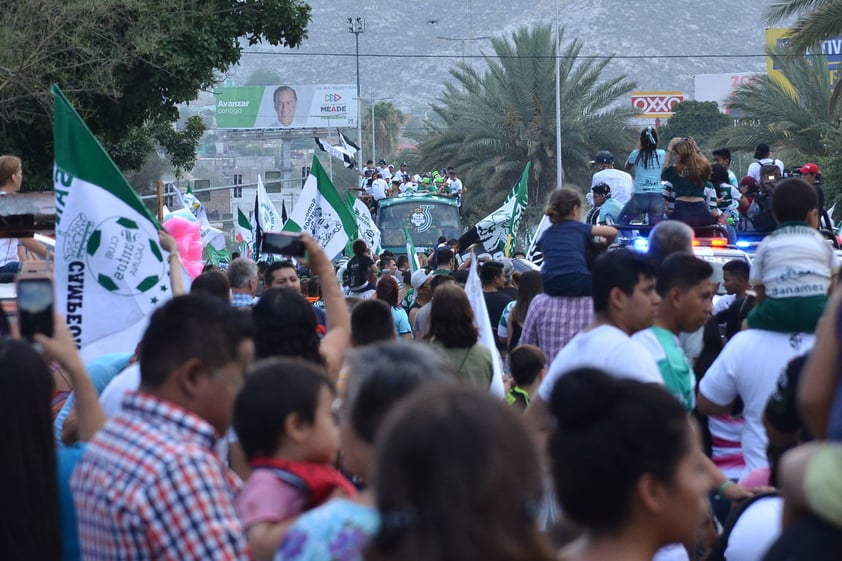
{"points": [[656, 104]]}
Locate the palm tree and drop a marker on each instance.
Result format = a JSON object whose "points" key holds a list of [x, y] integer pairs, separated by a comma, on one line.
{"points": [[388, 121], [489, 124], [817, 20], [792, 115]]}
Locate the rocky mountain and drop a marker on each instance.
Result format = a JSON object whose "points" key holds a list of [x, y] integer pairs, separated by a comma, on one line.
{"points": [[408, 47]]}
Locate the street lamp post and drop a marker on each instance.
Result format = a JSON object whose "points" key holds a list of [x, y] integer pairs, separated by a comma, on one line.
{"points": [[371, 100], [558, 171], [357, 26]]}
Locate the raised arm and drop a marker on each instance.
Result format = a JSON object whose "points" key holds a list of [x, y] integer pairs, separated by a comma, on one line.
{"points": [[818, 381], [169, 244], [338, 338], [89, 414]]}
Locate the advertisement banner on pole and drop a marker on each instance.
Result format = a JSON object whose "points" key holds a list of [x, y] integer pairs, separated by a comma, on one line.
{"points": [[831, 50], [287, 107]]}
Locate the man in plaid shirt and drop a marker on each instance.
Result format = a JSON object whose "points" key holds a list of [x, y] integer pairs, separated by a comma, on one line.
{"points": [[150, 485]]}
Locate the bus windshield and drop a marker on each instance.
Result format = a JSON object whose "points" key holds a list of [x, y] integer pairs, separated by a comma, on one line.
{"points": [[426, 220]]}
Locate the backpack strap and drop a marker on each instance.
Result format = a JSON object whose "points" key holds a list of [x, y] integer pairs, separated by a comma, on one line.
{"points": [[718, 551]]}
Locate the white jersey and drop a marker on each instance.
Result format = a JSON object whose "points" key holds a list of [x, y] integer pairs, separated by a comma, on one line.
{"points": [[749, 367]]}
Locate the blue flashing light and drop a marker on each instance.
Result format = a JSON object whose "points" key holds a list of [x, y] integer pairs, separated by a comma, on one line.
{"points": [[743, 244], [640, 244]]}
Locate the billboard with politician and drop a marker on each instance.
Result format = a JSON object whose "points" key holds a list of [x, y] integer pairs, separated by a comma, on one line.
{"points": [[286, 106]]}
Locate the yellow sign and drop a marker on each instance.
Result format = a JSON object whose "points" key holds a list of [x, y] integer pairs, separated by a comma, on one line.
{"points": [[831, 50]]}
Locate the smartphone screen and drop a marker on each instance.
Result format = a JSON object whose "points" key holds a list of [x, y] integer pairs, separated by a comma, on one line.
{"points": [[35, 306], [282, 243]]}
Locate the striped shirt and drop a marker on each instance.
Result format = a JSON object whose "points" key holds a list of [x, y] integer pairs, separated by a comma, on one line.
{"points": [[150, 487]]}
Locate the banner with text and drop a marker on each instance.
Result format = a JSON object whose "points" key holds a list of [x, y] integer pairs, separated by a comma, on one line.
{"points": [[831, 50], [655, 104], [286, 107]]}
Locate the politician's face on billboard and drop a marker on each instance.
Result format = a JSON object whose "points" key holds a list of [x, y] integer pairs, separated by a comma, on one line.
{"points": [[285, 102]]}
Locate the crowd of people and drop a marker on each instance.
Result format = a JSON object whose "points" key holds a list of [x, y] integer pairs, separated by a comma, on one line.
{"points": [[680, 183], [378, 183], [290, 411]]}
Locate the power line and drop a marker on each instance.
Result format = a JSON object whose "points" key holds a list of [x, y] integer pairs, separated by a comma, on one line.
{"points": [[529, 57]]}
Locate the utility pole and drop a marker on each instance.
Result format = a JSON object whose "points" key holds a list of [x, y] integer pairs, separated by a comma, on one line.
{"points": [[357, 26]]}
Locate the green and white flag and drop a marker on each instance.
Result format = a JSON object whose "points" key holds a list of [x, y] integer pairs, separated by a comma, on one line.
{"points": [[367, 230], [217, 256], [110, 271], [410, 251], [243, 234], [498, 230], [321, 211]]}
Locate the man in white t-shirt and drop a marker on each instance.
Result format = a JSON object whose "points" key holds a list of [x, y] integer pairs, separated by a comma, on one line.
{"points": [[384, 171], [379, 188], [749, 367], [625, 302], [454, 184], [402, 173], [763, 156], [621, 183]]}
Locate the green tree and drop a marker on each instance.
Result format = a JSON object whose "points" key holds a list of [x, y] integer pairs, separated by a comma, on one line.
{"points": [[388, 121], [126, 65], [792, 115], [700, 119], [490, 123]]}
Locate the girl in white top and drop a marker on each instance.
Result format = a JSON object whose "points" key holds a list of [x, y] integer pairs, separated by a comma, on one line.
{"points": [[11, 177]]}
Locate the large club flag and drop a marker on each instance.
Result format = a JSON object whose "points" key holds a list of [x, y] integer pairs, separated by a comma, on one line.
{"points": [[266, 217], [498, 230], [321, 211], [473, 288], [367, 230], [243, 234], [110, 271], [337, 152]]}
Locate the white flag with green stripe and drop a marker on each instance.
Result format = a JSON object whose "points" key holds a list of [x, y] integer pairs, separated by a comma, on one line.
{"points": [[321, 211], [110, 271]]}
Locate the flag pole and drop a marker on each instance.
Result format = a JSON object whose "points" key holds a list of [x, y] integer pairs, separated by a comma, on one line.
{"points": [[159, 185], [330, 161]]}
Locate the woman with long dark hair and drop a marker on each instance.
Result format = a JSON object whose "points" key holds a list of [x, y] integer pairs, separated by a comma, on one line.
{"points": [[39, 521], [451, 328], [514, 314], [387, 290], [285, 323], [646, 160]]}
